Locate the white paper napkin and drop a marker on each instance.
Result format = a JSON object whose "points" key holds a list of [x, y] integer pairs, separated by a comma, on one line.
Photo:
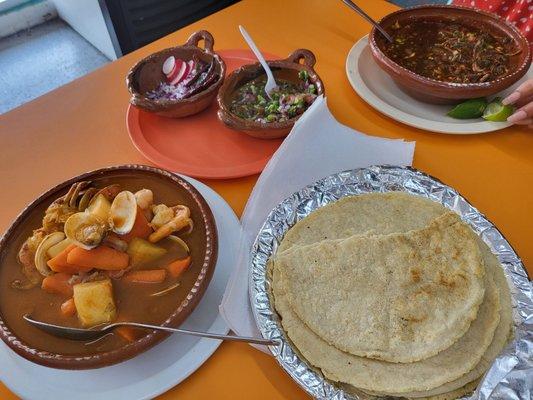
{"points": [[317, 146]]}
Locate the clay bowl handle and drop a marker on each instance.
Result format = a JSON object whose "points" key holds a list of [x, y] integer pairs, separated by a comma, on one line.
{"points": [[298, 55], [196, 37]]}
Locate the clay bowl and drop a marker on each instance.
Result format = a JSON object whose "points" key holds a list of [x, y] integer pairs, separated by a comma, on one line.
{"points": [[147, 74], [21, 337], [437, 92], [287, 69]]}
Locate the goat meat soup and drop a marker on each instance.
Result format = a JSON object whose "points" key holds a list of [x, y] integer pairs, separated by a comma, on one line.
{"points": [[449, 51], [119, 248]]}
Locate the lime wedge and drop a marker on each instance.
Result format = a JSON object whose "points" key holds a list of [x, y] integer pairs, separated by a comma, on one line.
{"points": [[469, 109], [496, 111]]}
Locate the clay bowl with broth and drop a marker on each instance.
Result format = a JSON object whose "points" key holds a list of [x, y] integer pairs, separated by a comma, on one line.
{"points": [[445, 54]]}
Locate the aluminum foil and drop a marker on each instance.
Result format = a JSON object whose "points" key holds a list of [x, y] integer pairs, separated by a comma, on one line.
{"points": [[511, 375]]}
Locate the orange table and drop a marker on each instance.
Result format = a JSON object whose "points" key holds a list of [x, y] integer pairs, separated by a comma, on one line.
{"points": [[81, 126]]}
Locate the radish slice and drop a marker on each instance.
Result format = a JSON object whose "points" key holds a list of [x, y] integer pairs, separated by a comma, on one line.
{"points": [[184, 70], [168, 65], [172, 73], [175, 71], [192, 70], [191, 65]]}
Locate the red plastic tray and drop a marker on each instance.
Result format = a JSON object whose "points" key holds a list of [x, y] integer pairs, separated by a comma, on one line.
{"points": [[200, 145]]}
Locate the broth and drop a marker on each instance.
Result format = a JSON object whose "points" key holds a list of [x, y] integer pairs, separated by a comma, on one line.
{"points": [[449, 51]]}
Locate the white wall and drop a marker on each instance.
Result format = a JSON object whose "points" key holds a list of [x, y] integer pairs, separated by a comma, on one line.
{"points": [[85, 16], [24, 17]]}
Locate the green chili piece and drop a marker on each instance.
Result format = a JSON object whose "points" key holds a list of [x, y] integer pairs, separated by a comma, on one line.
{"points": [[303, 75], [272, 107], [262, 100], [292, 111]]}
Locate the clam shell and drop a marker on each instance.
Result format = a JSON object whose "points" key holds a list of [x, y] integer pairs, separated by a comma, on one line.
{"points": [[85, 230], [180, 241], [123, 213], [40, 255], [86, 198]]}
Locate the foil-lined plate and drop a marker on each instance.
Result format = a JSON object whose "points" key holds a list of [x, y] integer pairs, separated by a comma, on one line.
{"points": [[511, 375]]}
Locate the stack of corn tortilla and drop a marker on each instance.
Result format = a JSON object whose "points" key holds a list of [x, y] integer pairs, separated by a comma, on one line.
{"points": [[392, 295]]}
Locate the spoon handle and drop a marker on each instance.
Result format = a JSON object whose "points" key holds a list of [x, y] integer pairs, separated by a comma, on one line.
{"points": [[257, 53], [363, 14], [253, 340]]}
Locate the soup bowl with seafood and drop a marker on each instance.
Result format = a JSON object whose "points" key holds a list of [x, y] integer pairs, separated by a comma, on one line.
{"points": [[127, 243], [444, 54]]}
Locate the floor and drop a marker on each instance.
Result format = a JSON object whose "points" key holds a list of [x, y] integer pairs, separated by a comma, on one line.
{"points": [[40, 59]]}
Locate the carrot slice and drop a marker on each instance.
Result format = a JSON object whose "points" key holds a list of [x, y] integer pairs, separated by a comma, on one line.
{"points": [[176, 268], [101, 257], [141, 228], [146, 276], [128, 333], [68, 308], [60, 264], [58, 284]]}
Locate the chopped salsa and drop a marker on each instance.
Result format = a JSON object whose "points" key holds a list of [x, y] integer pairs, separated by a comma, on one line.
{"points": [[291, 99], [449, 51]]}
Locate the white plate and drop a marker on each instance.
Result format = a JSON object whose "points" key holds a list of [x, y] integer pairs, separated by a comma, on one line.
{"points": [[154, 371], [375, 87]]}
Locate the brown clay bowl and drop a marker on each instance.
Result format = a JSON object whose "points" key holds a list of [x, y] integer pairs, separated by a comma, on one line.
{"points": [[286, 69], [437, 92], [147, 74], [20, 336]]}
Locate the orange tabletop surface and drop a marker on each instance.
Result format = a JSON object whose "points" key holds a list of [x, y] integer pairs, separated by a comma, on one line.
{"points": [[81, 126]]}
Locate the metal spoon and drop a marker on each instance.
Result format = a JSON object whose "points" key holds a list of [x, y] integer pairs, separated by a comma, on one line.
{"points": [[271, 82], [98, 332], [363, 14]]}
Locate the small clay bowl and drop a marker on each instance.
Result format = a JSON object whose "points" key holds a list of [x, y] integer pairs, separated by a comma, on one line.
{"points": [[147, 74], [438, 92], [21, 337], [286, 69]]}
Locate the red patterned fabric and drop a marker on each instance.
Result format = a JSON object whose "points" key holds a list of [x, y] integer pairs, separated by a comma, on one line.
{"points": [[519, 12]]}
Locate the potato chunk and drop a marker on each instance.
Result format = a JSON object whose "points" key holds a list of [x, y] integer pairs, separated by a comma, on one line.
{"points": [[94, 302], [142, 251]]}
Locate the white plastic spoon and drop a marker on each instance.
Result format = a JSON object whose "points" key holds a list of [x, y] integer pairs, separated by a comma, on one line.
{"points": [[271, 82]]}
